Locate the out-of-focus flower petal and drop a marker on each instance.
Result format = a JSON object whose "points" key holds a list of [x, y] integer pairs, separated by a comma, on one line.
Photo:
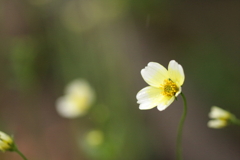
{"points": [[217, 112], [217, 123]]}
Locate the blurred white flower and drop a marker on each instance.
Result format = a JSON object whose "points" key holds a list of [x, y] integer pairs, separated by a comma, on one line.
{"points": [[165, 85], [6, 142], [78, 98], [95, 138], [219, 117]]}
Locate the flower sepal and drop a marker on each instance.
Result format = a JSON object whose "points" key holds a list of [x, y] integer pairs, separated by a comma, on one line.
{"points": [[234, 120]]}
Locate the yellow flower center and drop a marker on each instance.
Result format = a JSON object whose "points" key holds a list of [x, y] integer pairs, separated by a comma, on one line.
{"points": [[169, 88]]}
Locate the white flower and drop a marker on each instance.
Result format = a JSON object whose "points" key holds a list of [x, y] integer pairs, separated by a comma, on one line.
{"points": [[165, 85], [219, 117], [6, 142], [77, 100]]}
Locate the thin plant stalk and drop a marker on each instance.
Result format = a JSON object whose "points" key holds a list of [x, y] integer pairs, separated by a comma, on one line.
{"points": [[20, 153], [180, 128], [235, 120]]}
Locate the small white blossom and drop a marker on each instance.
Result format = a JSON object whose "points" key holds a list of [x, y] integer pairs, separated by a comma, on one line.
{"points": [[78, 98]]}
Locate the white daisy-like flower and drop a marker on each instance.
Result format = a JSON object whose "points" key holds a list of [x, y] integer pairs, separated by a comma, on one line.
{"points": [[165, 85], [219, 117], [78, 98], [6, 142]]}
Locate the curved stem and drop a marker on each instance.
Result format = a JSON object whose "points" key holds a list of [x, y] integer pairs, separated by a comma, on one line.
{"points": [[20, 153], [180, 128]]}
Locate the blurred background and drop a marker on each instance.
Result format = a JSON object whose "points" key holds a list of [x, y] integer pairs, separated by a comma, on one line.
{"points": [[46, 44]]}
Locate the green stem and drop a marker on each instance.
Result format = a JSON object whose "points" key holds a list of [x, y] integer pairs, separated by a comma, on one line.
{"points": [[235, 120], [20, 153], [180, 128]]}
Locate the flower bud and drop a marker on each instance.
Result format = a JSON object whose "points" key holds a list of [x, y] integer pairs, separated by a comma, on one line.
{"points": [[219, 118], [6, 142]]}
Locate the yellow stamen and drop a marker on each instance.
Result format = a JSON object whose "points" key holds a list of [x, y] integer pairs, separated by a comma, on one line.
{"points": [[169, 88]]}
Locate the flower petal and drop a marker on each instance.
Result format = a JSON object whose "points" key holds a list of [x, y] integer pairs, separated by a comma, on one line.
{"points": [[154, 74], [220, 113], [81, 88], [149, 97], [165, 102], [217, 123], [68, 108], [6, 142], [175, 72]]}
